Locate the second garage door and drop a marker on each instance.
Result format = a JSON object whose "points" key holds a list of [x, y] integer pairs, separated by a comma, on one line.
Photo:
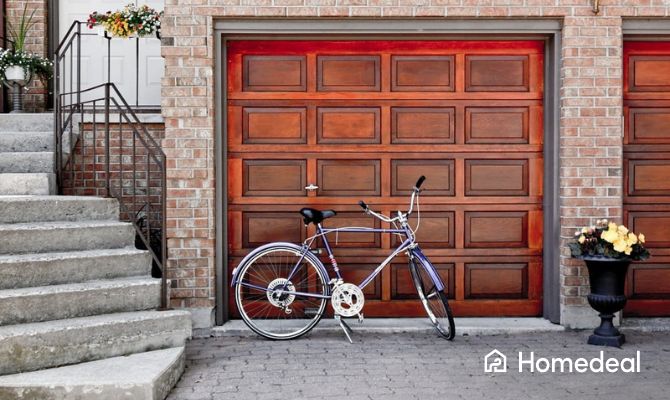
{"points": [[361, 120]]}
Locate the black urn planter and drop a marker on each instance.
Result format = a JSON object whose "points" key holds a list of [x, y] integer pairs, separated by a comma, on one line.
{"points": [[607, 277]]}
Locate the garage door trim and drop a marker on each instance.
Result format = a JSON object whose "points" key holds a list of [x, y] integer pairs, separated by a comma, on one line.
{"points": [[547, 30]]}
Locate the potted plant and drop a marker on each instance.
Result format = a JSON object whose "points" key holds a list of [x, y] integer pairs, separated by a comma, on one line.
{"points": [[127, 22], [607, 249], [17, 66]]}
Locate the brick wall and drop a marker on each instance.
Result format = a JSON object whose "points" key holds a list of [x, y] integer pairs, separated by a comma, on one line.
{"points": [[36, 97], [590, 106]]}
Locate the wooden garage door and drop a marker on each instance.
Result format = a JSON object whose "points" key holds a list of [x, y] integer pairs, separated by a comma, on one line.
{"points": [[362, 120], [647, 172]]}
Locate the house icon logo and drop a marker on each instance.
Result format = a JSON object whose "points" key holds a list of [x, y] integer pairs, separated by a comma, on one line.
{"points": [[495, 361]]}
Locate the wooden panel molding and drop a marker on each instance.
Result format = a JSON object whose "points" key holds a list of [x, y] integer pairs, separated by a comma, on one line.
{"points": [[649, 73], [496, 281], [342, 125], [655, 225], [648, 177], [650, 281], [411, 125], [349, 177], [440, 177], [496, 229], [402, 286], [259, 228], [496, 177], [274, 125], [500, 125], [340, 73], [422, 73], [274, 177], [647, 125], [275, 73], [494, 73]]}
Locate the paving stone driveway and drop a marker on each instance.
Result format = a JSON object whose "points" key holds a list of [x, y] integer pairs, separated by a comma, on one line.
{"points": [[414, 366]]}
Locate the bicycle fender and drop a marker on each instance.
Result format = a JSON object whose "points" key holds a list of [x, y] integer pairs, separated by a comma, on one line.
{"points": [[257, 250]]}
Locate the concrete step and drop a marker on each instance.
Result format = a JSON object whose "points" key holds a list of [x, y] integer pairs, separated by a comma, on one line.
{"points": [[30, 347], [27, 184], [16, 209], [26, 141], [30, 270], [46, 237], [48, 303], [29, 162], [27, 122], [145, 376]]}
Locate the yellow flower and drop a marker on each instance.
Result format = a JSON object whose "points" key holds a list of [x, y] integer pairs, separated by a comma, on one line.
{"points": [[632, 239], [584, 230], [620, 245], [609, 236], [622, 229], [611, 227], [581, 239], [628, 250], [641, 238]]}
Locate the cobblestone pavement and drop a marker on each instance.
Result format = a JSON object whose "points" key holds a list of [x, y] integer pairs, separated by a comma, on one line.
{"points": [[415, 366]]}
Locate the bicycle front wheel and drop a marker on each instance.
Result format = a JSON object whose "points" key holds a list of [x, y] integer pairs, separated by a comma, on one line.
{"points": [[433, 300], [266, 292]]}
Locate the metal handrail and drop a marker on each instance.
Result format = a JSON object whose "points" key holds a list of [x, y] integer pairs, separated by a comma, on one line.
{"points": [[116, 158]]}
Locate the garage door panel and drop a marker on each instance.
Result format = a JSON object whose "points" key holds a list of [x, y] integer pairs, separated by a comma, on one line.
{"points": [[648, 177], [349, 177], [655, 225], [279, 73], [648, 125], [348, 73], [342, 125], [501, 125], [274, 177], [373, 117], [274, 125], [496, 280], [440, 175], [496, 73], [648, 73], [422, 73], [649, 281], [402, 286], [496, 229], [259, 228], [496, 177], [410, 125]]}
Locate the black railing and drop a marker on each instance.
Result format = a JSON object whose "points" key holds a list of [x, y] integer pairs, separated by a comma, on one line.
{"points": [[103, 149]]}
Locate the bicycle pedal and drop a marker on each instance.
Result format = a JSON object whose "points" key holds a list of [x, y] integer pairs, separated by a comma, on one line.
{"points": [[360, 318]]}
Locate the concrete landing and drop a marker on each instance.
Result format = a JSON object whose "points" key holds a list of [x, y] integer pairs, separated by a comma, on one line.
{"points": [[144, 376], [464, 326]]}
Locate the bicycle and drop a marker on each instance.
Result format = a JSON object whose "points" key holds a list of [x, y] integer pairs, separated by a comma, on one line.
{"points": [[281, 289]]}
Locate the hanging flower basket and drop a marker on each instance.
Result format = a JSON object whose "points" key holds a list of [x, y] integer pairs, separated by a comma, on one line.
{"points": [[130, 21]]}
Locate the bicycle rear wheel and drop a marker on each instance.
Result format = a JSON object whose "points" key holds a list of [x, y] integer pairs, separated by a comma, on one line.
{"points": [[261, 298], [433, 300]]}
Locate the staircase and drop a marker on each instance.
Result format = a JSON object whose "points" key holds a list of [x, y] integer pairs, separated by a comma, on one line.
{"points": [[27, 154], [78, 306]]}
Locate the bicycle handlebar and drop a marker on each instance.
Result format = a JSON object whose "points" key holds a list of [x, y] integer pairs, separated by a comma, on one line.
{"points": [[384, 218]]}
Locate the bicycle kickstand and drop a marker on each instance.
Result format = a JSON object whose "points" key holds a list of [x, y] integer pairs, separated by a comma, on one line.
{"points": [[345, 327]]}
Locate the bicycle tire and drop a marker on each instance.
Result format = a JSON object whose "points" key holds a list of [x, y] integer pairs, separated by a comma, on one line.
{"points": [[434, 302], [266, 271]]}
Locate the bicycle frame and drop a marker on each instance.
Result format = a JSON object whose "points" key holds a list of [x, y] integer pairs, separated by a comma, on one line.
{"points": [[408, 245]]}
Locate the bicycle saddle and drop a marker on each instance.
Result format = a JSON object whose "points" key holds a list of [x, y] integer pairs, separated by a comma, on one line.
{"points": [[311, 215]]}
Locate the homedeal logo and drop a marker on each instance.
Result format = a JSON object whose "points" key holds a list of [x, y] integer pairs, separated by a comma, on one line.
{"points": [[496, 361]]}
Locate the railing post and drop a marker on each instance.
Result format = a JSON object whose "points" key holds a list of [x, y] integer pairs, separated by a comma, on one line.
{"points": [[164, 256], [79, 64], [108, 183], [58, 148]]}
